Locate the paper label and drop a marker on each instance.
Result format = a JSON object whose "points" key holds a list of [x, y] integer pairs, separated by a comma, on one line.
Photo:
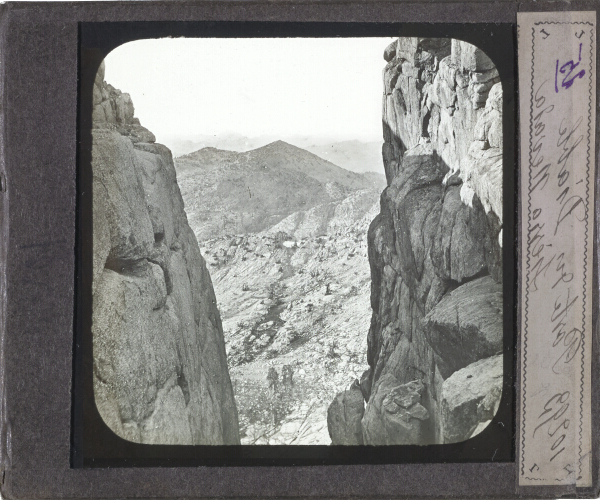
{"points": [[557, 87]]}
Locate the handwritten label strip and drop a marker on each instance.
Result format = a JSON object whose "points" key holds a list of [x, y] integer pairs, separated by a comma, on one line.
{"points": [[557, 81]]}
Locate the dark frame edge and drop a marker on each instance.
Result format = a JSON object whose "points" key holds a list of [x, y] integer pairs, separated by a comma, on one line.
{"points": [[65, 486], [5, 434]]}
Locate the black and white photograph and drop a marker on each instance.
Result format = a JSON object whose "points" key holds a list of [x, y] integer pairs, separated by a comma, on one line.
{"points": [[297, 241]]}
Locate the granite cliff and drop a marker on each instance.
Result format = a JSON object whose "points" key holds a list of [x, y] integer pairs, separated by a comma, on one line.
{"points": [[160, 368], [435, 340]]}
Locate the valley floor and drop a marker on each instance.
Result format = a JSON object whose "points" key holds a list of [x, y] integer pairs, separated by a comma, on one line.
{"points": [[296, 314]]}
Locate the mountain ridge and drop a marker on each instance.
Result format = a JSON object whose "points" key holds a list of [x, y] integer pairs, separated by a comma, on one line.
{"points": [[355, 155], [278, 154], [228, 192]]}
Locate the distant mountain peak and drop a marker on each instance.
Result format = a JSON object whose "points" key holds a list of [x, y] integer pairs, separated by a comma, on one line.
{"points": [[209, 152], [279, 144], [279, 147]]}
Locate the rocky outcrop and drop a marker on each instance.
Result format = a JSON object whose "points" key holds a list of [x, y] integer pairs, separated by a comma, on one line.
{"points": [[160, 369], [435, 247], [470, 399], [395, 414], [344, 416]]}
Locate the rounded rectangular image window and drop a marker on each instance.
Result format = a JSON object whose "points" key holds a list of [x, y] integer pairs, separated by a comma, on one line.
{"points": [[298, 243]]}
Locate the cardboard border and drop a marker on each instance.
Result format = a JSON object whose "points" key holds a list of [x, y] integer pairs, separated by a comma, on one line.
{"points": [[38, 54]]}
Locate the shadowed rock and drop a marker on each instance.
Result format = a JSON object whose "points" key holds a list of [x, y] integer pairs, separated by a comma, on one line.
{"points": [[160, 370], [466, 325], [344, 416], [461, 240]]}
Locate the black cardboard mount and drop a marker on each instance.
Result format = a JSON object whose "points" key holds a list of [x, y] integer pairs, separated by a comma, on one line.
{"points": [[39, 53], [95, 445]]}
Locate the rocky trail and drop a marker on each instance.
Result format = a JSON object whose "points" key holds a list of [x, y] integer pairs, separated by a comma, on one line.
{"points": [[297, 307]]}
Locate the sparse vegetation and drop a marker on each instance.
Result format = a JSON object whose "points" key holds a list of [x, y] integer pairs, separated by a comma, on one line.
{"points": [[262, 407], [332, 352], [312, 316]]}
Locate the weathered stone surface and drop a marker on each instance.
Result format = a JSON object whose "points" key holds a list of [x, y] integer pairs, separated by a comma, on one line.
{"points": [[344, 417], [136, 133], [396, 415], [466, 325], [462, 239], [482, 168], [442, 92], [470, 57], [390, 75], [434, 249], [390, 51], [160, 370], [407, 48], [470, 398]]}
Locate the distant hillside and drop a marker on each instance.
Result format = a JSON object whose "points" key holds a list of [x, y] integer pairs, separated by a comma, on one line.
{"points": [[230, 141], [226, 192], [356, 156], [377, 179]]}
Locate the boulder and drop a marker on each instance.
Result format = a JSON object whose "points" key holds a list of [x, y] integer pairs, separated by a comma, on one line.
{"points": [[470, 398], [344, 417], [395, 414], [466, 325]]}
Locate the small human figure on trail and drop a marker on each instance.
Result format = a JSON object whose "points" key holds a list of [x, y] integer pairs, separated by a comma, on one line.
{"points": [[273, 379], [287, 374]]}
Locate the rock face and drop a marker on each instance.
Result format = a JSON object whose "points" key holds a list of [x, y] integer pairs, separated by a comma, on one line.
{"points": [[470, 398], [434, 248], [344, 416], [160, 369]]}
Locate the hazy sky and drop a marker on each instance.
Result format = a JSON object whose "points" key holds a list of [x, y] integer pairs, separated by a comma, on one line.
{"points": [[284, 86]]}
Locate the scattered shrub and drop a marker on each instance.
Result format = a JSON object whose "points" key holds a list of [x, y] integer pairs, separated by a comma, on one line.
{"points": [[331, 353]]}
